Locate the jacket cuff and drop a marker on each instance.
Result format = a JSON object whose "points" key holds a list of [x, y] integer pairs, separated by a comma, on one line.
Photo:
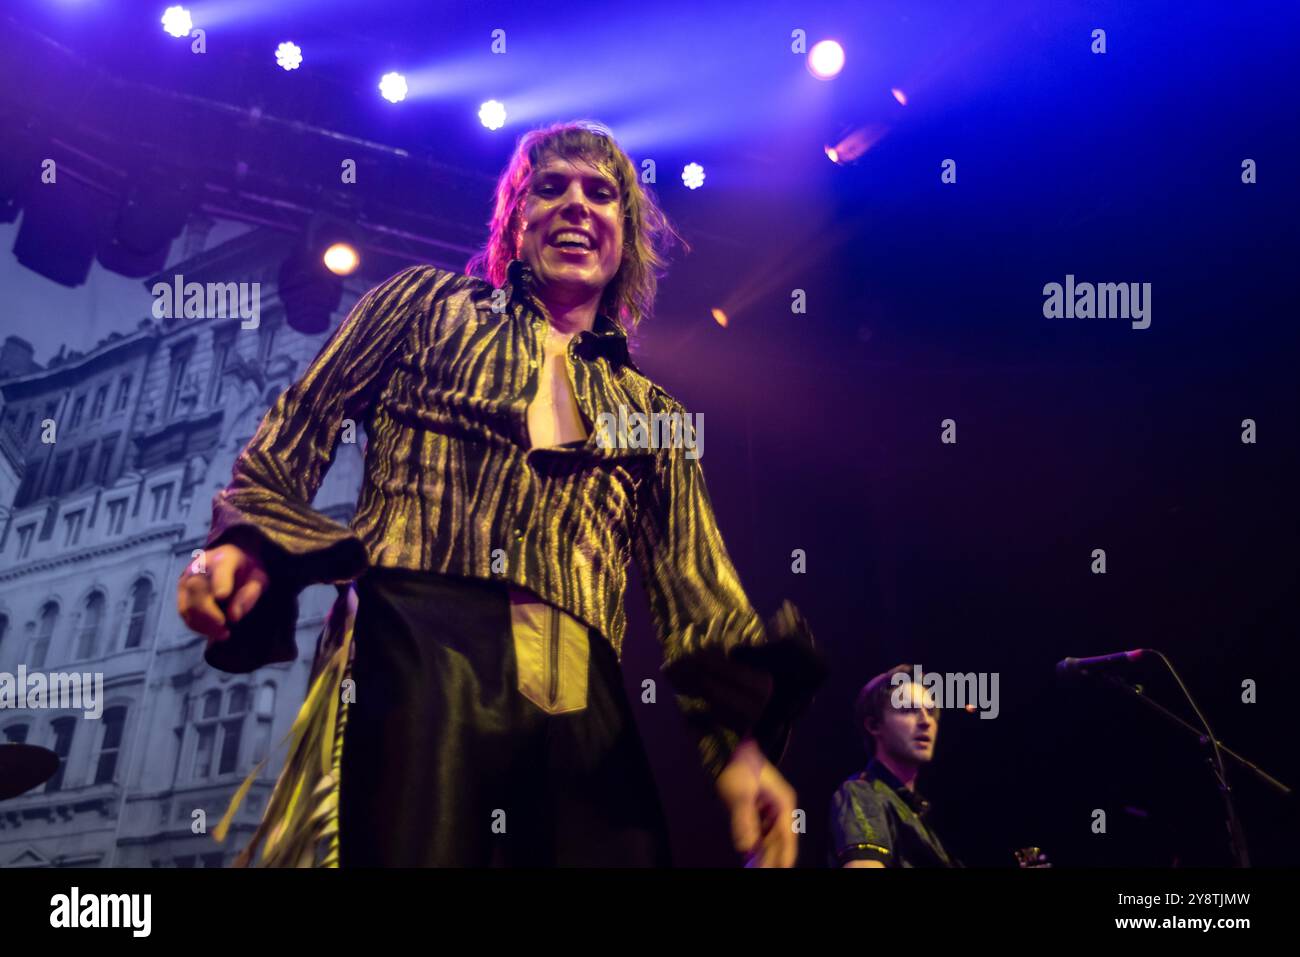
{"points": [[264, 636], [309, 545], [753, 691], [714, 741], [267, 632]]}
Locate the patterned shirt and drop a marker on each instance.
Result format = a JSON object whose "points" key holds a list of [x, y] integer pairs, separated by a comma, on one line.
{"points": [[875, 818], [440, 368]]}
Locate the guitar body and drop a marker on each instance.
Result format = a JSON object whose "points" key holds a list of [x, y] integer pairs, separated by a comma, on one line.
{"points": [[1032, 857]]}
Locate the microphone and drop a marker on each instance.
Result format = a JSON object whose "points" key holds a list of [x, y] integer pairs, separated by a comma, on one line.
{"points": [[1070, 666]]}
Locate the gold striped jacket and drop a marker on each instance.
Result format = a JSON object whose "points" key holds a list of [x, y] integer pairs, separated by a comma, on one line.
{"points": [[439, 368]]}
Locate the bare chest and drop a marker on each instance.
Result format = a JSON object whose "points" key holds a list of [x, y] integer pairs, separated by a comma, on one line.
{"points": [[553, 416]]}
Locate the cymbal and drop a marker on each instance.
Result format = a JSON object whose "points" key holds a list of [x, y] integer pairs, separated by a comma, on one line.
{"points": [[23, 766]]}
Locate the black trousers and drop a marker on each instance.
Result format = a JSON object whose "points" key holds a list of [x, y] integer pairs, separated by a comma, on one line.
{"points": [[445, 762]]}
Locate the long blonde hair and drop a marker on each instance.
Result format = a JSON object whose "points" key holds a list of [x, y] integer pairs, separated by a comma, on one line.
{"points": [[647, 233]]}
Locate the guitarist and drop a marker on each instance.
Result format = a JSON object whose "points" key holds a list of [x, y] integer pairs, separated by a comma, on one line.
{"points": [[877, 816]]}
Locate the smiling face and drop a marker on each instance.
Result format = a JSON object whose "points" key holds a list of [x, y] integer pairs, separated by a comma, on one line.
{"points": [[572, 228], [907, 734]]}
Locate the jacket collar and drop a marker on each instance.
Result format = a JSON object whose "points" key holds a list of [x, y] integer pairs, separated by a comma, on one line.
{"points": [[876, 771], [607, 336]]}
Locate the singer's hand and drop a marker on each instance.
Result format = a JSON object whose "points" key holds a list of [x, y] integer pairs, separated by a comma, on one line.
{"points": [[762, 805]]}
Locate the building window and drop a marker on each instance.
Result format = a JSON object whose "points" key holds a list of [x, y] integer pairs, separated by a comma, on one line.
{"points": [[16, 734], [162, 500], [141, 598], [232, 729], [219, 735], [267, 341], [116, 516], [72, 527], [56, 474], [77, 408], [265, 713], [230, 746], [83, 464], [114, 721], [41, 647], [63, 729], [203, 753], [176, 380], [97, 409], [25, 536], [266, 701], [92, 617], [105, 459], [210, 709], [222, 351], [123, 393]]}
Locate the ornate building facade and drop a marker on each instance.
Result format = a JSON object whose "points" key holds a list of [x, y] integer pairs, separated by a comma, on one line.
{"points": [[109, 459]]}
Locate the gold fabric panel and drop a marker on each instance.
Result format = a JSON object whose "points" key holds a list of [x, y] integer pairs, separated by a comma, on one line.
{"points": [[551, 653]]}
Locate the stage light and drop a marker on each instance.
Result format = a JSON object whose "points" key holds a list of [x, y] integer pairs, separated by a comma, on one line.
{"points": [[60, 228], [392, 86], [153, 212], [693, 175], [311, 277], [177, 21], [20, 164], [719, 317], [900, 96], [492, 114], [308, 291], [288, 55], [826, 59], [341, 259], [854, 143]]}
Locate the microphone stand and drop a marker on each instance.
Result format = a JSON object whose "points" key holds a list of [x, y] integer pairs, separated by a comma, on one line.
{"points": [[1236, 836]]}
